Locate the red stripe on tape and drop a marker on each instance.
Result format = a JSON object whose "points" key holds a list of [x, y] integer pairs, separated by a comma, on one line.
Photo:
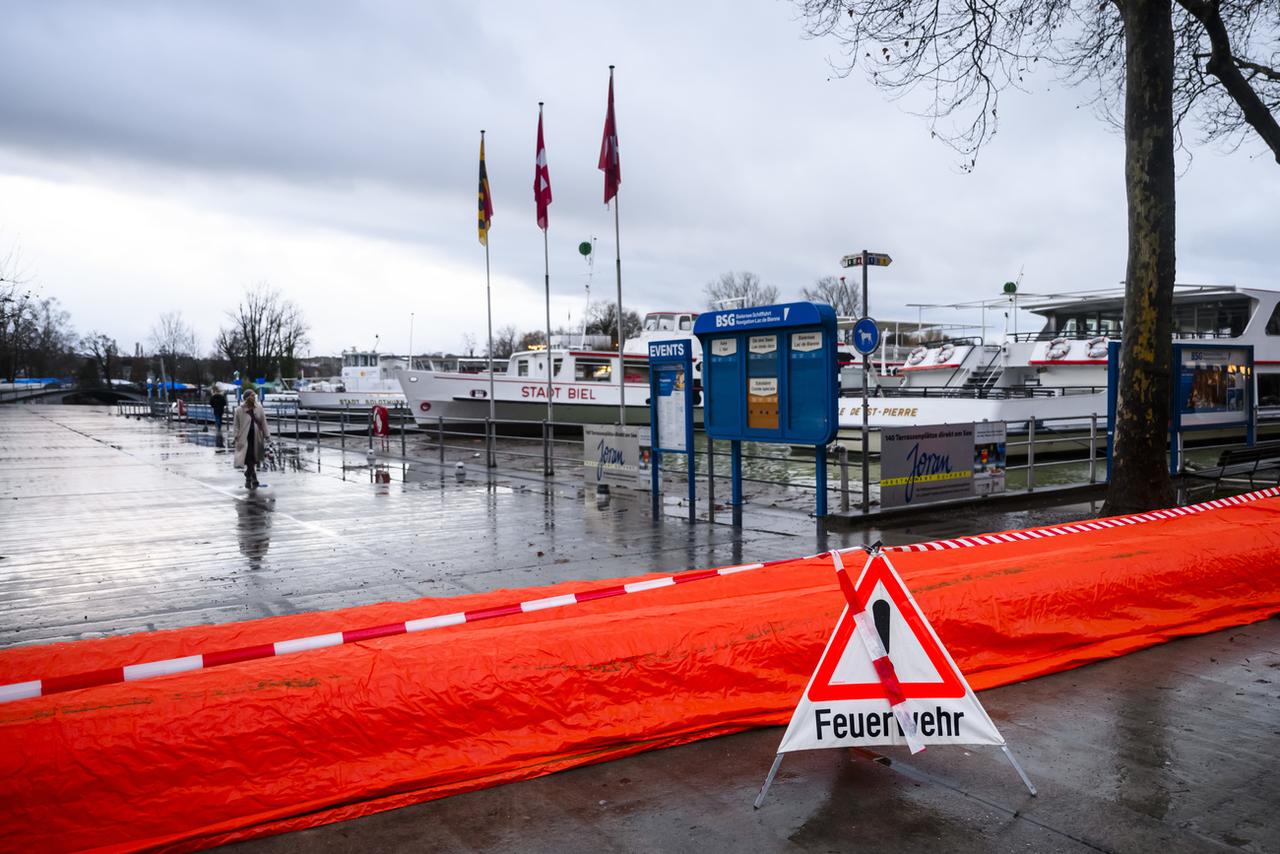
{"points": [[58, 684], [696, 575], [889, 679], [244, 653], [497, 611], [372, 632], [600, 593]]}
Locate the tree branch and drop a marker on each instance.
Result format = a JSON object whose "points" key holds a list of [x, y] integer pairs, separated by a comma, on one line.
{"points": [[1224, 65]]}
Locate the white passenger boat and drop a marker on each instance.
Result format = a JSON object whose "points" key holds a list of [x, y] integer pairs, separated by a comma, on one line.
{"points": [[584, 382], [1061, 371], [368, 379]]}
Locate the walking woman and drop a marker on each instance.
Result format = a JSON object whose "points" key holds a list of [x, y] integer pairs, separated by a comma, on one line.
{"points": [[251, 437]]}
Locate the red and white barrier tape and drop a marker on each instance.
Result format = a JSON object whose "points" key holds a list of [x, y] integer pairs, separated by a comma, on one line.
{"points": [[1093, 525], [166, 667], [885, 672]]}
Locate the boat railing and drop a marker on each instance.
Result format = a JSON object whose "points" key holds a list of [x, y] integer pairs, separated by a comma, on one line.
{"points": [[1114, 335], [977, 393], [1056, 452]]}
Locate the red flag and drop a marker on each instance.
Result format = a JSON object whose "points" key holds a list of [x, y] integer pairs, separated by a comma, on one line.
{"points": [[485, 200], [541, 178], [610, 163]]}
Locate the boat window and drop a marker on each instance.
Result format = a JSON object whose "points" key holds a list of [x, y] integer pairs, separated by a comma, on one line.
{"points": [[1269, 389], [522, 367], [1225, 318], [636, 373], [555, 366], [666, 323], [592, 370], [650, 323], [686, 323], [1273, 325]]}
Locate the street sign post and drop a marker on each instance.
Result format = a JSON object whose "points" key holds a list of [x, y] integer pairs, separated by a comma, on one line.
{"points": [[866, 259]]}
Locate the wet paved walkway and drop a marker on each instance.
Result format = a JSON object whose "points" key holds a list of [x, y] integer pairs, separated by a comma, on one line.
{"points": [[113, 524]]}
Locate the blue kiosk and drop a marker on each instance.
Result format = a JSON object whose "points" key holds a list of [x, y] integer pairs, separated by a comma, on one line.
{"points": [[770, 374]]}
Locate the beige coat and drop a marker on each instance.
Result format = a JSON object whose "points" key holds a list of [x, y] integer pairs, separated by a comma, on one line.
{"points": [[242, 433]]}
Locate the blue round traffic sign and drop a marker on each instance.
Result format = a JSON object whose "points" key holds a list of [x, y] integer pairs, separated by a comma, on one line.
{"points": [[866, 336]]}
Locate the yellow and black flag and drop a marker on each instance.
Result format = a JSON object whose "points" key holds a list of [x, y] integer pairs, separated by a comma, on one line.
{"points": [[486, 201]]}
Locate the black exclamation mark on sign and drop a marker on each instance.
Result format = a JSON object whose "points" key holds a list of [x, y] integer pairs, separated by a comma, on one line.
{"points": [[880, 613]]}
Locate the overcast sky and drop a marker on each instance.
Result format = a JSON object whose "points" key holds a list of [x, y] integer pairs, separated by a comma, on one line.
{"points": [[161, 156]]}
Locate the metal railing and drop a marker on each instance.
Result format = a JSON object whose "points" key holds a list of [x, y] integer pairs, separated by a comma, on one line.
{"points": [[1049, 448]]}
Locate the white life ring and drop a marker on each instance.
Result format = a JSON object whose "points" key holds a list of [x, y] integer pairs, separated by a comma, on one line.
{"points": [[917, 355], [945, 352], [1098, 347], [1058, 348]]}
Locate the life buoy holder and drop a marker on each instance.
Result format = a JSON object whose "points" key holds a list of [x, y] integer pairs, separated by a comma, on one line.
{"points": [[917, 355], [945, 352], [1058, 348], [1098, 347]]}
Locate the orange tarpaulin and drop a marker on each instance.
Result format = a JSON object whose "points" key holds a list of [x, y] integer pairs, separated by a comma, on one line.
{"points": [[282, 743]]}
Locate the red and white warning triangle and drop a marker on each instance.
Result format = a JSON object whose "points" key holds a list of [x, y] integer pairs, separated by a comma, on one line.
{"points": [[885, 678]]}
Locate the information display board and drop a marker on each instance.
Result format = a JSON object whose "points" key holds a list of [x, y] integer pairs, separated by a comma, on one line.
{"points": [[770, 373], [1213, 385]]}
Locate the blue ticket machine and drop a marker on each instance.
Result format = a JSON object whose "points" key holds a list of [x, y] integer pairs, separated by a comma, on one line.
{"points": [[771, 374]]}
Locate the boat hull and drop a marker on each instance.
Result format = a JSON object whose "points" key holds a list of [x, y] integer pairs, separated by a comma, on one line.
{"points": [[338, 400], [434, 395]]}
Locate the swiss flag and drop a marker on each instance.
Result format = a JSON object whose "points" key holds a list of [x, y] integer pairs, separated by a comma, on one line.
{"points": [[610, 163], [541, 178]]}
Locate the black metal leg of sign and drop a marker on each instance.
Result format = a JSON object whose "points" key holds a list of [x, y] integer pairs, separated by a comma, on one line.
{"points": [[768, 781], [735, 454]]}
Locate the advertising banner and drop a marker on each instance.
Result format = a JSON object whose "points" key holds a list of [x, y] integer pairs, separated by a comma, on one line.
{"points": [[611, 455], [988, 457], [927, 463]]}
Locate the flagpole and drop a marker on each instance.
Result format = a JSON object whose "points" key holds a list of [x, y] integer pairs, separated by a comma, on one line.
{"points": [[546, 276], [488, 299], [617, 242]]}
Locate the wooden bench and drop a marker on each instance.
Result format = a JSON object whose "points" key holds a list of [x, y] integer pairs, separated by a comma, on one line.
{"points": [[1236, 462]]}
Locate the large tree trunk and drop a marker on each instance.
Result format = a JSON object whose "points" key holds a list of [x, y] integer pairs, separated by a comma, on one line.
{"points": [[1140, 473]]}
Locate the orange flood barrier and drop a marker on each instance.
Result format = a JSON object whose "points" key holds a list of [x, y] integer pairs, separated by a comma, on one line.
{"points": [[276, 744]]}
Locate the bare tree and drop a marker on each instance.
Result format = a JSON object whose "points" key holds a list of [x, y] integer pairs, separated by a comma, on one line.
{"points": [[844, 297], [1218, 58], [469, 343], [103, 351], [504, 341], [172, 337], [602, 319], [266, 334], [739, 290]]}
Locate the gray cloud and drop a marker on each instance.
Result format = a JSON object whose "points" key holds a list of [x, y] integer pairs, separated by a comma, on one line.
{"points": [[739, 151]]}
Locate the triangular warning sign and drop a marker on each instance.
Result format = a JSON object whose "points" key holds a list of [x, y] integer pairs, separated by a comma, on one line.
{"points": [[923, 669], [857, 698]]}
